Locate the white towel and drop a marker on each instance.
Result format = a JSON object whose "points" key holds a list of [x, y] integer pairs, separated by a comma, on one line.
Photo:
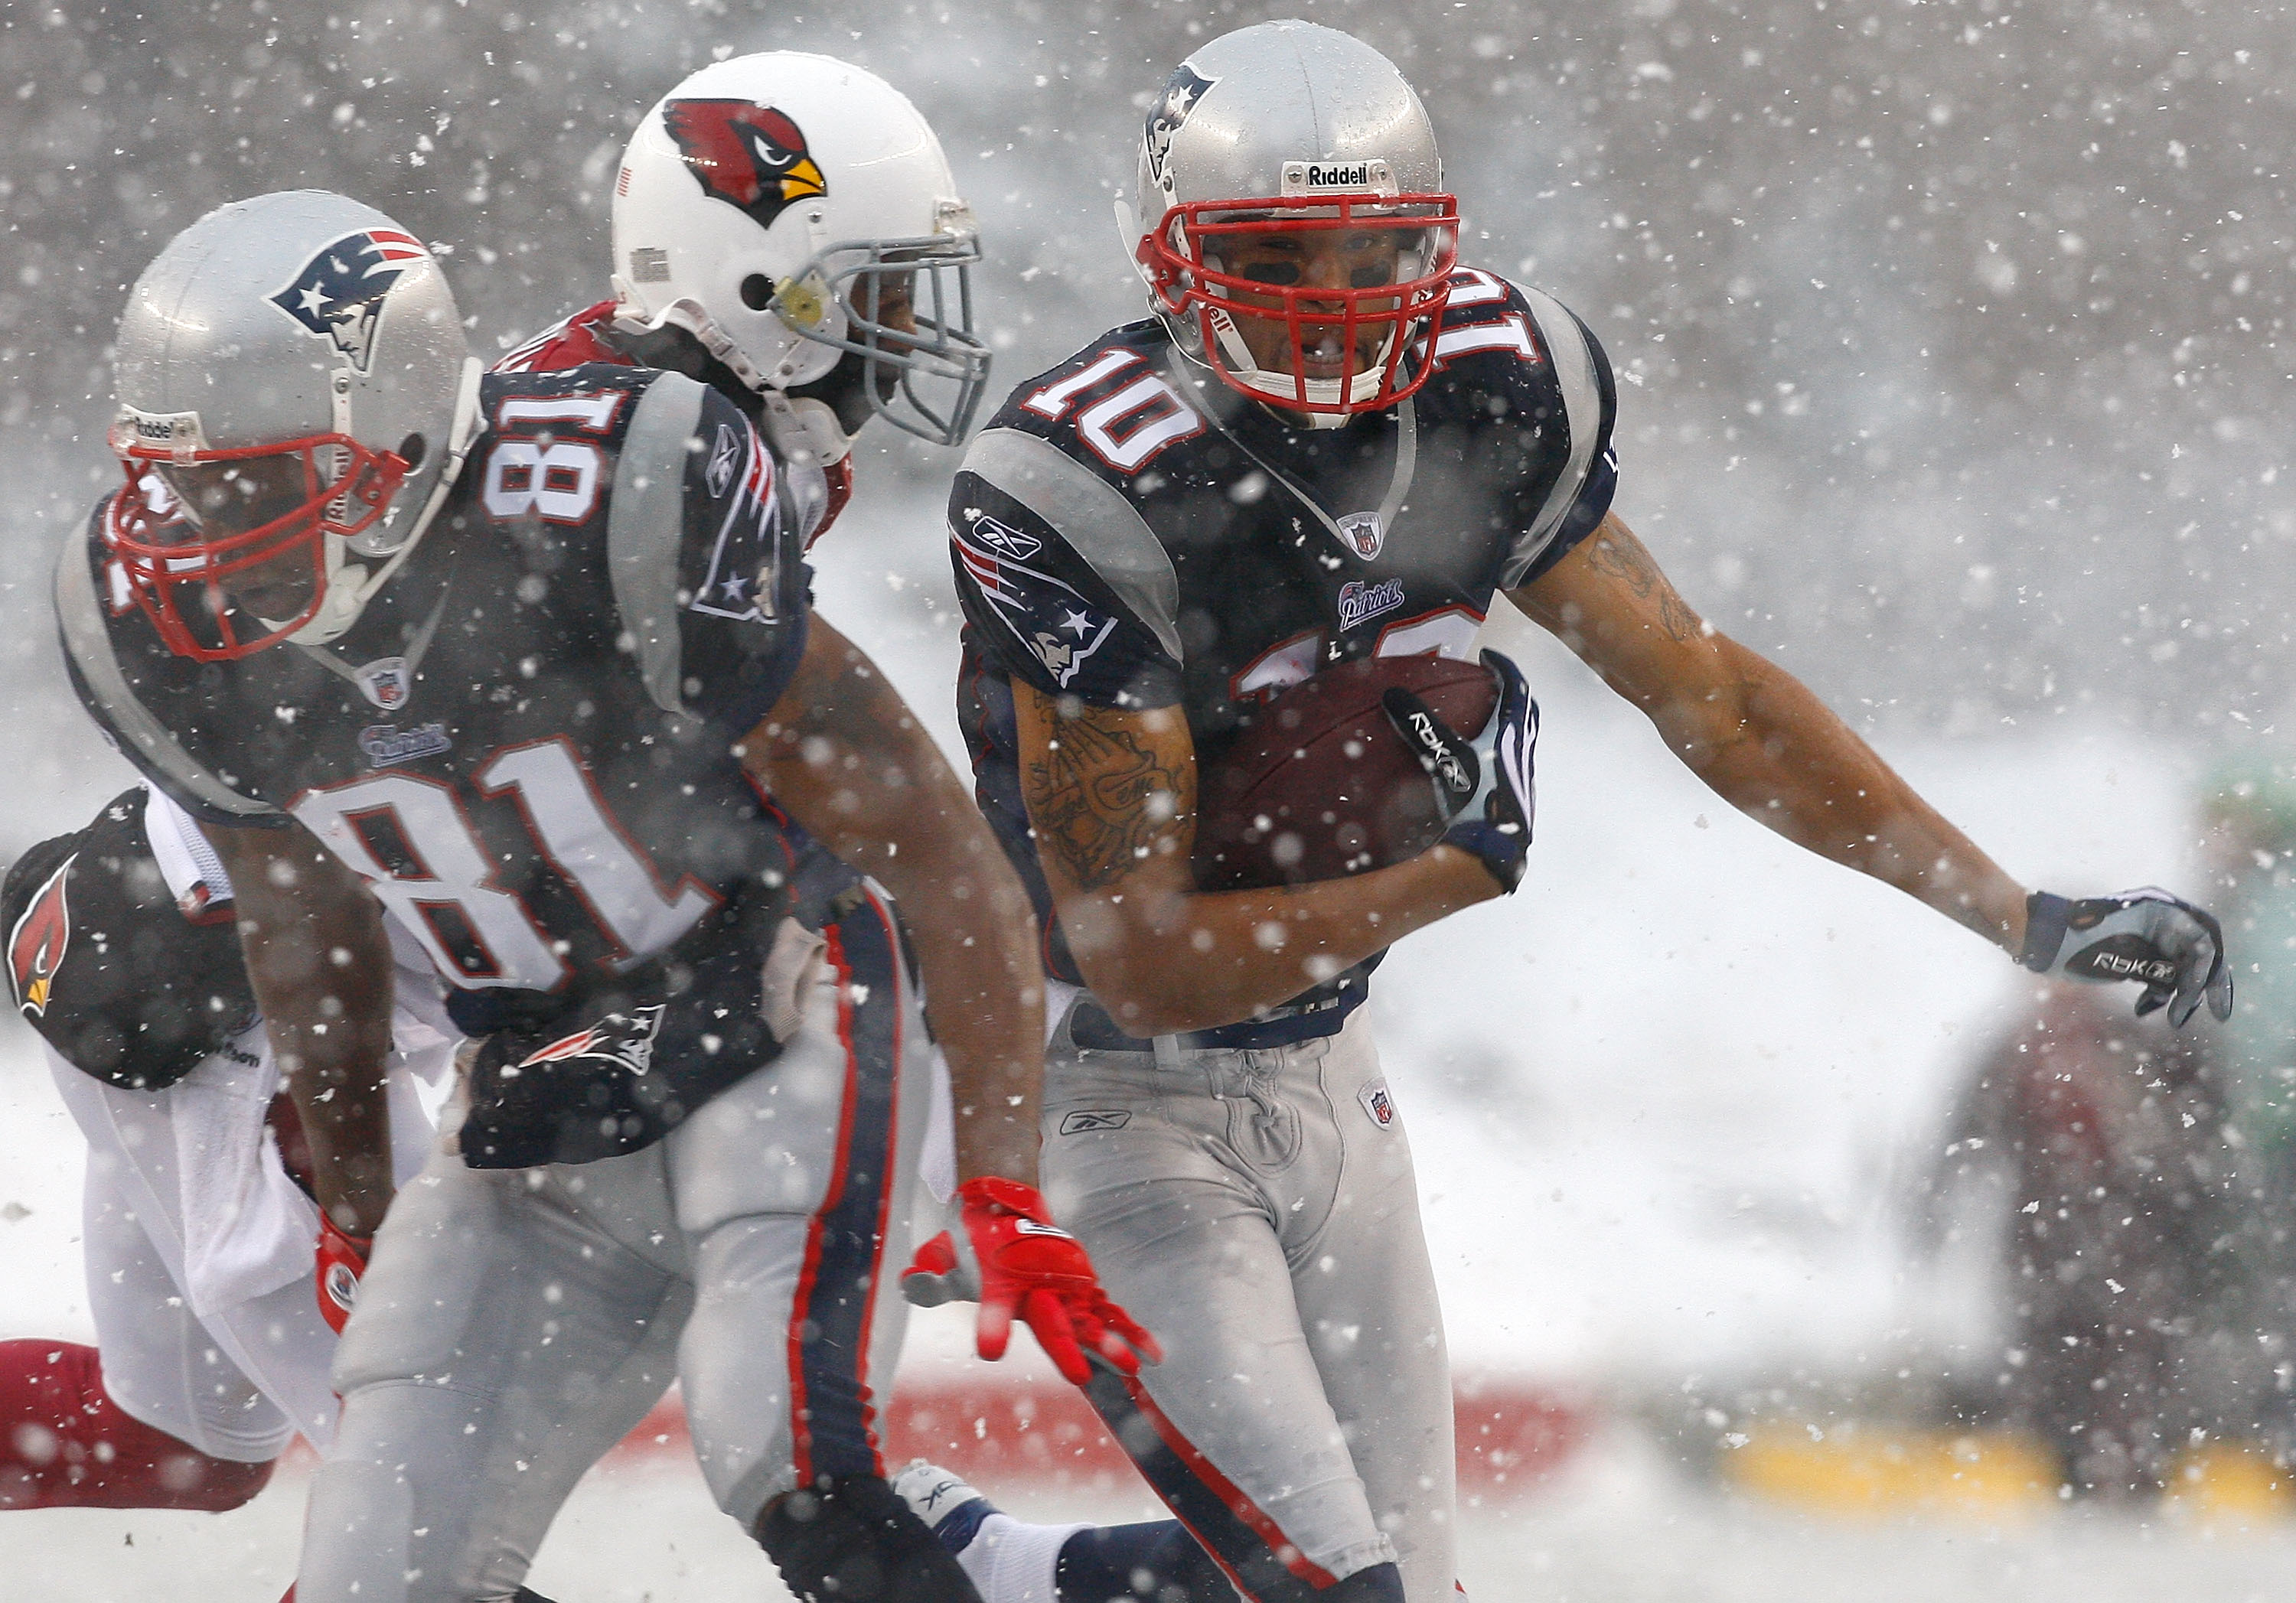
{"points": [[247, 1228]]}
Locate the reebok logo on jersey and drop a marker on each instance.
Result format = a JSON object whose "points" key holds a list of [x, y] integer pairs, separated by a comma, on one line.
{"points": [[1084, 1121], [1002, 538], [1026, 1226], [1377, 1103], [36, 947], [725, 462], [1359, 601]]}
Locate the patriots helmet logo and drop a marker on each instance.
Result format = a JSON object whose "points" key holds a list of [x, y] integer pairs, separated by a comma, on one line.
{"points": [[36, 947], [750, 156], [1184, 88], [338, 295]]}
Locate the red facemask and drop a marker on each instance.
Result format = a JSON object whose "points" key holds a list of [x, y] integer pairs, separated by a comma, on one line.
{"points": [[175, 569], [1177, 253]]}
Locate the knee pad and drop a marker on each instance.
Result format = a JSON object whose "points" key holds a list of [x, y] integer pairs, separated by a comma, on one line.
{"points": [[850, 1539]]}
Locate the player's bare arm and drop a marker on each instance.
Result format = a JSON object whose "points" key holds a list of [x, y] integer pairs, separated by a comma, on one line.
{"points": [[1111, 796], [321, 965], [844, 754], [1756, 735]]}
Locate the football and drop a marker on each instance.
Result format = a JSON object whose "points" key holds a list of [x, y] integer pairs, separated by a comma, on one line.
{"points": [[1319, 786]]}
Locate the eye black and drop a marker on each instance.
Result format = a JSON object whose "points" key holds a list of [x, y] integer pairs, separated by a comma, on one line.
{"points": [[1277, 273], [1367, 278]]}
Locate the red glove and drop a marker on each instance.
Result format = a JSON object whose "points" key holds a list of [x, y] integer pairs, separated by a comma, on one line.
{"points": [[1011, 1257], [343, 1259]]}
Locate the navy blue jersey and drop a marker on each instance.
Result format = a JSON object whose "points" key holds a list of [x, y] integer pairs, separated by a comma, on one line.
{"points": [[1129, 531], [526, 743]]}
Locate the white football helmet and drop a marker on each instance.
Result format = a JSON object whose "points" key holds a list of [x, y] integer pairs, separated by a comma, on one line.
{"points": [[308, 345], [1291, 127], [782, 208]]}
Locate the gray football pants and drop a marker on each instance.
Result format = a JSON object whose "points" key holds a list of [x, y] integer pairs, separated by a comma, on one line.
{"points": [[1258, 1211], [515, 1324]]}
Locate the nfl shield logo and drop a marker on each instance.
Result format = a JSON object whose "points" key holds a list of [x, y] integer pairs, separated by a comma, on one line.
{"points": [[1377, 1103], [1362, 534], [385, 681]]}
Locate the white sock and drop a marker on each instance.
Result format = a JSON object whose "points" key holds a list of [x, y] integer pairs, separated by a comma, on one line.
{"points": [[1010, 1562]]}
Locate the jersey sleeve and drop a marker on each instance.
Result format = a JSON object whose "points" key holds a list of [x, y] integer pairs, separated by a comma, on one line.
{"points": [[1581, 497], [1022, 518], [707, 561]]}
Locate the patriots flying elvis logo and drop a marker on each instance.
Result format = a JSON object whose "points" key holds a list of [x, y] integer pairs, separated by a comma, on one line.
{"points": [[338, 296]]}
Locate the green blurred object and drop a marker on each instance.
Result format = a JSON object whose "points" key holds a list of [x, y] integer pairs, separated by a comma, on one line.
{"points": [[2250, 808]]}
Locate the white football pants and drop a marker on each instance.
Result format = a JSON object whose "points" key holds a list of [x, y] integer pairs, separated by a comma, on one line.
{"points": [[515, 1324], [1257, 1210]]}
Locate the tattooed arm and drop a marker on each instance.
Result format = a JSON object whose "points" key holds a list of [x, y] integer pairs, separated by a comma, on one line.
{"points": [[1756, 734], [1112, 795]]}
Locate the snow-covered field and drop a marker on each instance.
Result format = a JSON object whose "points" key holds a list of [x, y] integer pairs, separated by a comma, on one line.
{"points": [[1662, 1101]]}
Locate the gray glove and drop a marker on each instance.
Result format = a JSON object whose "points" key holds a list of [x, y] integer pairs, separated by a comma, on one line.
{"points": [[2174, 950]]}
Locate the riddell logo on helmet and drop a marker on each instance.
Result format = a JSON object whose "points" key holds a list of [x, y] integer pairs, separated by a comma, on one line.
{"points": [[1317, 177], [750, 156]]}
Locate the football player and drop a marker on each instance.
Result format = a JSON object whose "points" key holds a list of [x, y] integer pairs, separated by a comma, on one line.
{"points": [[1332, 441], [212, 1348], [530, 660], [787, 230]]}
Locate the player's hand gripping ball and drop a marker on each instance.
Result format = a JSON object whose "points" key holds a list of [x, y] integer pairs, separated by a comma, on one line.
{"points": [[343, 1260], [1317, 786], [2174, 949], [1484, 785], [1011, 1257]]}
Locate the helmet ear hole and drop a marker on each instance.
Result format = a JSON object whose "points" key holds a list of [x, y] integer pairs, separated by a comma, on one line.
{"points": [[412, 450], [757, 291]]}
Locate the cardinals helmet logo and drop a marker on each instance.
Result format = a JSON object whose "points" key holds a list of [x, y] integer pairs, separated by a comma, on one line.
{"points": [[747, 155], [36, 947], [338, 294]]}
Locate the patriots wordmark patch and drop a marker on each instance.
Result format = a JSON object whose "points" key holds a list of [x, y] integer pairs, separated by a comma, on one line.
{"points": [[1084, 1121], [1377, 1103], [36, 947], [1360, 602], [339, 294]]}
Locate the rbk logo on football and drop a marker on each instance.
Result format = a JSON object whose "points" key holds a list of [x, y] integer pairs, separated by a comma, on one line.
{"points": [[747, 155], [36, 947]]}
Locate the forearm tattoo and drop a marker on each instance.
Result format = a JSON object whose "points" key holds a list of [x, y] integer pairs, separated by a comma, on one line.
{"points": [[1624, 559], [1100, 800]]}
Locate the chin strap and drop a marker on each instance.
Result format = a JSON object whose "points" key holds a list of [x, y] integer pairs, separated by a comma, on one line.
{"points": [[349, 584], [687, 313]]}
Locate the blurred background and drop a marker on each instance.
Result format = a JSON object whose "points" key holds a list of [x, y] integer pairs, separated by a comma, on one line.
{"points": [[1953, 365]]}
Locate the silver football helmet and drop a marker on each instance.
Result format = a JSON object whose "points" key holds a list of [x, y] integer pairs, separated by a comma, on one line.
{"points": [[295, 400], [1291, 129]]}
